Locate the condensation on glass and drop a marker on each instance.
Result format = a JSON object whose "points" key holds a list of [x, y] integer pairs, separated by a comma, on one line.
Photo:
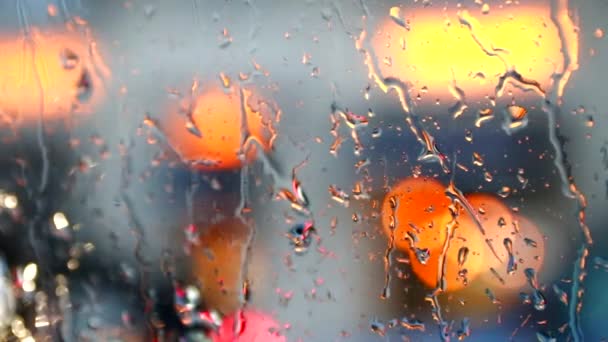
{"points": [[350, 170]]}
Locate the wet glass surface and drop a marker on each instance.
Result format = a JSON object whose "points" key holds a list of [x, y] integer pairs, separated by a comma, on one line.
{"points": [[350, 170]]}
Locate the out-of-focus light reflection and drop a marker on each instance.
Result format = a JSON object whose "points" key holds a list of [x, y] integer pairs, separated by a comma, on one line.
{"points": [[415, 214], [222, 129], [60, 221], [218, 263], [53, 73], [470, 49]]}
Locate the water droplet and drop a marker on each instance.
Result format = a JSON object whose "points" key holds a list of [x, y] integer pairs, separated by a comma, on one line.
{"points": [[538, 300], [511, 265], [377, 327], [84, 87], [504, 192], [477, 159], [412, 324], [422, 254], [561, 294], [530, 243], [463, 252], [339, 196], [468, 135], [300, 237], [396, 15], [192, 129], [515, 119], [488, 176], [492, 297], [483, 116], [531, 276], [225, 39], [465, 329], [225, 79], [69, 59]]}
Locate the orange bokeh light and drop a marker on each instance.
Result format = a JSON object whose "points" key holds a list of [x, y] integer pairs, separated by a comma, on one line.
{"points": [[468, 48], [217, 263], [420, 219], [57, 74], [218, 115]]}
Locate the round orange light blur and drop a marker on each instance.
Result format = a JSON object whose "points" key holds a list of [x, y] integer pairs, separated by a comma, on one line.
{"points": [[439, 50], [257, 327], [529, 252], [422, 213], [218, 116], [45, 77], [217, 263], [422, 209]]}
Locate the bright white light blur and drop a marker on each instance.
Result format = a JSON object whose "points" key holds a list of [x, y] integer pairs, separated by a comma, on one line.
{"points": [[30, 272], [60, 221], [10, 201], [28, 286]]}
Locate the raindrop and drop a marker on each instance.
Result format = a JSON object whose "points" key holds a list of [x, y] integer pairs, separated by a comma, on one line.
{"points": [[530, 243], [561, 294], [477, 159], [468, 135], [377, 327], [515, 118], [192, 129], [465, 329], [492, 297], [511, 265], [538, 300], [69, 59], [483, 116], [412, 324], [463, 252], [531, 276], [422, 254], [504, 192], [300, 237], [487, 176], [84, 87], [396, 15], [339, 196]]}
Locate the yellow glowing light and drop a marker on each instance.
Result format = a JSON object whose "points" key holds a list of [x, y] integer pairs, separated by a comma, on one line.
{"points": [[468, 49]]}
